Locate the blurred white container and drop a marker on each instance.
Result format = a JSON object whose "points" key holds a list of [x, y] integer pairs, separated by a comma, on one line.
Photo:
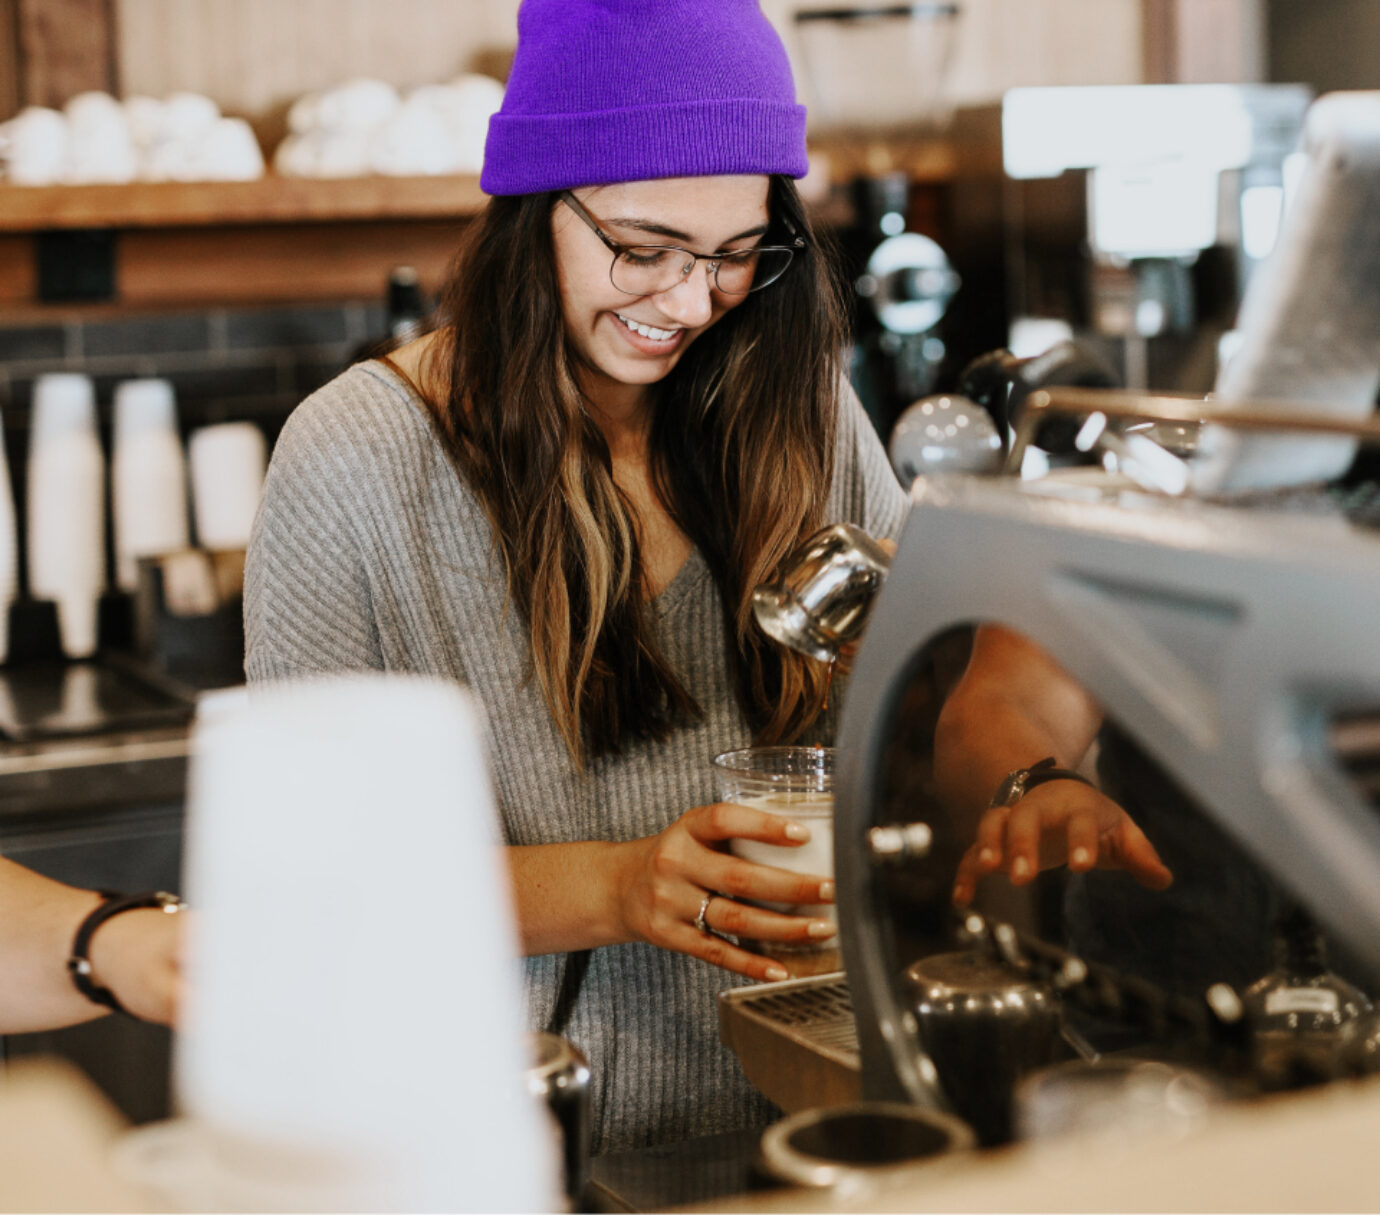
{"points": [[358, 105], [9, 550], [99, 145], [37, 139], [188, 117], [66, 507], [352, 1036], [414, 140], [148, 490], [229, 152], [228, 463]]}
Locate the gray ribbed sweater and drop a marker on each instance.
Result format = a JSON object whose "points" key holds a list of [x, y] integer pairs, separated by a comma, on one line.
{"points": [[371, 553]]}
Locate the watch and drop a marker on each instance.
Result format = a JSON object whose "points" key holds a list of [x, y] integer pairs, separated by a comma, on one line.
{"points": [[112, 904], [1015, 785]]}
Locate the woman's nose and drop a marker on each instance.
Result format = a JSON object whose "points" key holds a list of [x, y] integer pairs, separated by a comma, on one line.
{"points": [[688, 302]]}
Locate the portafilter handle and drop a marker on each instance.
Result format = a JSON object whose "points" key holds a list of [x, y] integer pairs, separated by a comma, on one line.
{"points": [[820, 600]]}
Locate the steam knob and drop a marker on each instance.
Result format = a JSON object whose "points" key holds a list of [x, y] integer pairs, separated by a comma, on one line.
{"points": [[898, 843]]}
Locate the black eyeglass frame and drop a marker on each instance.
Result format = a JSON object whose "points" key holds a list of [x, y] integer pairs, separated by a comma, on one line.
{"points": [[715, 259]]}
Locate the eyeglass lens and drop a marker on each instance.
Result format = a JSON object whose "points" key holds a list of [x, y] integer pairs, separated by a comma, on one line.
{"points": [[650, 269]]}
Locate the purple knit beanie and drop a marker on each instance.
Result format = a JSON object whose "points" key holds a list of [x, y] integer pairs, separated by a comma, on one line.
{"points": [[606, 91]]}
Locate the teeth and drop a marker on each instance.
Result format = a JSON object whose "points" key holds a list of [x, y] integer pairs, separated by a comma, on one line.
{"points": [[657, 335]]}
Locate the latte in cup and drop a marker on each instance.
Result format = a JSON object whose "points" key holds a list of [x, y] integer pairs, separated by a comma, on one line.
{"points": [[814, 857]]}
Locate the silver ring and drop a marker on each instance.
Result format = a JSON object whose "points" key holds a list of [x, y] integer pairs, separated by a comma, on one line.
{"points": [[700, 921]]}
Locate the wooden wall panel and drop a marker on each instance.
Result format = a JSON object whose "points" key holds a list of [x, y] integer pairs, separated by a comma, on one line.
{"points": [[18, 271], [255, 57], [61, 48], [287, 262], [9, 58], [1221, 41], [998, 44]]}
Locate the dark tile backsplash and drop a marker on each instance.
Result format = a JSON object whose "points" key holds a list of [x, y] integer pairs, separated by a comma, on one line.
{"points": [[150, 335], [286, 328], [224, 364], [42, 342]]}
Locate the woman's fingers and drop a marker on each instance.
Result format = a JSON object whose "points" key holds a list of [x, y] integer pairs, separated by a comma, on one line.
{"points": [[1082, 838], [991, 840], [725, 918], [760, 924], [966, 879], [743, 879], [1058, 823], [1024, 830], [725, 954], [1130, 850], [731, 820]]}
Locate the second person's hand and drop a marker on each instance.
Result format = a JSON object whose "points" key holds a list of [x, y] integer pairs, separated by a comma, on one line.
{"points": [[672, 879], [1058, 823]]}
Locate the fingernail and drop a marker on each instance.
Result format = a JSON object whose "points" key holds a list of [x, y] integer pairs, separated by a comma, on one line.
{"points": [[826, 892], [1081, 856], [777, 973], [821, 928], [794, 831], [1020, 867], [987, 856]]}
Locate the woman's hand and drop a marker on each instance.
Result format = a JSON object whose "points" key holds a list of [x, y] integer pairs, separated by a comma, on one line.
{"points": [[668, 876], [137, 955], [1056, 823]]}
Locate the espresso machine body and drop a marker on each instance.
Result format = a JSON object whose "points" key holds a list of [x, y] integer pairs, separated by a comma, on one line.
{"points": [[1179, 188], [1227, 641]]}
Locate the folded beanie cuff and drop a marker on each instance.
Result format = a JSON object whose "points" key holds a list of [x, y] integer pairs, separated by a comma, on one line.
{"points": [[534, 153]]}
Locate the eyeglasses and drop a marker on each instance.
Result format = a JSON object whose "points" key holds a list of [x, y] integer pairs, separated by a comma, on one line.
{"points": [[652, 269]]}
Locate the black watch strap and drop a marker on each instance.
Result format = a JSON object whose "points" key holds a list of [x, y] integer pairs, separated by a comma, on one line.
{"points": [[112, 904], [1015, 785]]}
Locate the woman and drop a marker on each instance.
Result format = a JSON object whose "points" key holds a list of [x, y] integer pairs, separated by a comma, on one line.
{"points": [[563, 498]]}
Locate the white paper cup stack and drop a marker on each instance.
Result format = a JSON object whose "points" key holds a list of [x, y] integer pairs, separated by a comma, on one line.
{"points": [[9, 550], [228, 463], [148, 477], [352, 1038], [66, 500]]}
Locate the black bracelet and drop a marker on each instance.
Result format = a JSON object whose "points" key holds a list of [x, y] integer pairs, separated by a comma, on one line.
{"points": [[1015, 785], [112, 904]]}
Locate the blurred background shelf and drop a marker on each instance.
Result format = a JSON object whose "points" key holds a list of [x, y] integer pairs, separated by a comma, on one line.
{"points": [[269, 200]]}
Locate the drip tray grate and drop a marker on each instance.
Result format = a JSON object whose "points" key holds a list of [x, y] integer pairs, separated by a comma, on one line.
{"points": [[797, 1040]]}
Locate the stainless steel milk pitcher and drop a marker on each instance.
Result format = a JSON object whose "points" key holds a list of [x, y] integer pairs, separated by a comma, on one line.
{"points": [[820, 600]]}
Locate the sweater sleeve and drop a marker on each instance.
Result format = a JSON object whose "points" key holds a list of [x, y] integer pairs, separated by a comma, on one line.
{"points": [[865, 491], [307, 605]]}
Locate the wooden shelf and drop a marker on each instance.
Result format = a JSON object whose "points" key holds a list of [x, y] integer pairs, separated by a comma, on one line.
{"points": [[269, 200]]}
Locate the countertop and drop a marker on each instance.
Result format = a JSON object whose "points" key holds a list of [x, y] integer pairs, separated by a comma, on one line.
{"points": [[117, 768]]}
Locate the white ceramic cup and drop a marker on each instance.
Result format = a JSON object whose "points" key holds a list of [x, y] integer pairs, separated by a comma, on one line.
{"points": [[148, 489], [66, 507], [228, 462]]}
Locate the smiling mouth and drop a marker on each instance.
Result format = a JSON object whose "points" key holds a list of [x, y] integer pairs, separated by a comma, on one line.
{"points": [[648, 331]]}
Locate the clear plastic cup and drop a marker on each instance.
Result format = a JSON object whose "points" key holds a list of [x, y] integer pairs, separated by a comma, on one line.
{"points": [[796, 783]]}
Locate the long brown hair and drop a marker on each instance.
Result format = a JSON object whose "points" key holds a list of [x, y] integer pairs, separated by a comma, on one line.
{"points": [[742, 450]]}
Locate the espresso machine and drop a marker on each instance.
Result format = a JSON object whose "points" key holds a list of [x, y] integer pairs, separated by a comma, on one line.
{"points": [[1180, 189], [874, 76], [1222, 624]]}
